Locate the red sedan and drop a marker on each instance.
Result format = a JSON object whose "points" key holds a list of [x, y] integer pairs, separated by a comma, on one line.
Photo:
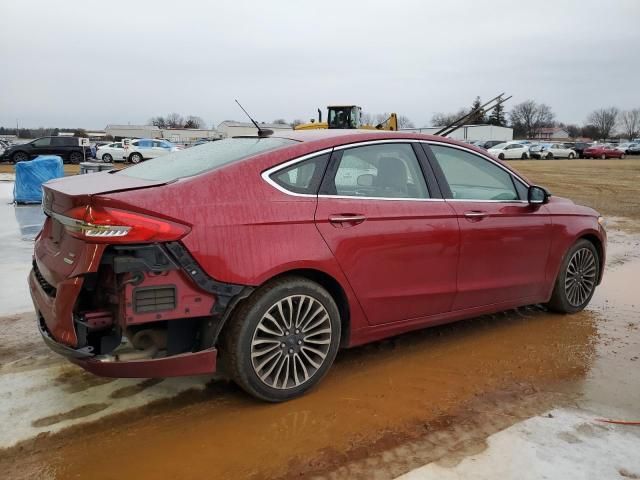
{"points": [[265, 255], [603, 152]]}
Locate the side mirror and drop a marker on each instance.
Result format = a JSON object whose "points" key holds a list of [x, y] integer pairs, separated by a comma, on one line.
{"points": [[537, 195], [365, 180]]}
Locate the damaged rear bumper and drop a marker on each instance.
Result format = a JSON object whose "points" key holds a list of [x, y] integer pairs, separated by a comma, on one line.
{"points": [[184, 364]]}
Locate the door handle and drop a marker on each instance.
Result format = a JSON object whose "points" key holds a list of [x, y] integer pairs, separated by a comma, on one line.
{"points": [[346, 219], [475, 215]]}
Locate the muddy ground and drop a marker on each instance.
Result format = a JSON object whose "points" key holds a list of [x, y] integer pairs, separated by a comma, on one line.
{"points": [[433, 398]]}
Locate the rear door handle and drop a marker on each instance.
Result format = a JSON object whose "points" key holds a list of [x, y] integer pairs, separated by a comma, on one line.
{"points": [[346, 219], [475, 215]]}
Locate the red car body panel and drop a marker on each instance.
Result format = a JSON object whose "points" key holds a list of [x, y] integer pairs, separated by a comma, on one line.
{"points": [[599, 150], [410, 264]]}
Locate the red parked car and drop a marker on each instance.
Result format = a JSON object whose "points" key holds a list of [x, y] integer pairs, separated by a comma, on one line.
{"points": [[269, 254], [602, 151]]}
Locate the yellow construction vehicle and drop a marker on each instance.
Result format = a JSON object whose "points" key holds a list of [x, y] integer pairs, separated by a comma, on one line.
{"points": [[345, 117]]}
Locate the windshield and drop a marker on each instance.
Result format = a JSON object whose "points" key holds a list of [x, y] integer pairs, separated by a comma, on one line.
{"points": [[203, 158]]}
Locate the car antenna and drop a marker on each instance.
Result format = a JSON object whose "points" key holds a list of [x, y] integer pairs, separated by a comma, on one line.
{"points": [[262, 132]]}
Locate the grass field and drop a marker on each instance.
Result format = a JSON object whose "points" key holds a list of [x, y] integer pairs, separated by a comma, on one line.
{"points": [[610, 186]]}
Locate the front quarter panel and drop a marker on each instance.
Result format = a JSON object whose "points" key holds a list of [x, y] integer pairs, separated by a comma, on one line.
{"points": [[570, 222]]}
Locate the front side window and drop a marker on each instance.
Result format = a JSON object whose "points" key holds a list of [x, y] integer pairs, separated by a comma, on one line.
{"points": [[471, 177], [303, 177], [381, 171], [42, 142]]}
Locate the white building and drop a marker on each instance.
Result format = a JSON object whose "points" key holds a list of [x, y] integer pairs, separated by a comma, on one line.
{"points": [[472, 132], [229, 128], [118, 132], [177, 135]]}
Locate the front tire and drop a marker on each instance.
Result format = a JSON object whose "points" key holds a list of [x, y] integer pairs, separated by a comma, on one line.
{"points": [[576, 282], [501, 156], [107, 158], [19, 157], [571, 156], [603, 156], [549, 156], [282, 340], [524, 156], [622, 156]]}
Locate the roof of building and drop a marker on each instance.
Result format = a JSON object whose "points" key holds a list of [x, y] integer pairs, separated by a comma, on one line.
{"points": [[552, 130], [232, 123]]}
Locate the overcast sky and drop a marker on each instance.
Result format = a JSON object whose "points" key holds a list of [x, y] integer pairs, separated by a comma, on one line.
{"points": [[90, 63]]}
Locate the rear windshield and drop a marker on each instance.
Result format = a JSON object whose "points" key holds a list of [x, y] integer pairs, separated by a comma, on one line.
{"points": [[202, 158]]}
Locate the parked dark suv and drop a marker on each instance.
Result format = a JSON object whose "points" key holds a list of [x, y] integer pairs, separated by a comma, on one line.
{"points": [[67, 147], [578, 147]]}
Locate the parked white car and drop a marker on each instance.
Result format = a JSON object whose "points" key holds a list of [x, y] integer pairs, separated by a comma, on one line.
{"points": [[145, 148], [557, 150], [509, 150], [112, 152]]}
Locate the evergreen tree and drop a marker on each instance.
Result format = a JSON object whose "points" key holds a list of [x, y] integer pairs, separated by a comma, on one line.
{"points": [[497, 117], [480, 118]]}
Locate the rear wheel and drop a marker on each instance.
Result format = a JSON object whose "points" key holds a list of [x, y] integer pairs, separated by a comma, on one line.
{"points": [[75, 157], [603, 156], [571, 156], [549, 156], [282, 340], [622, 156], [19, 157], [524, 156], [577, 279], [135, 157], [107, 158], [501, 156]]}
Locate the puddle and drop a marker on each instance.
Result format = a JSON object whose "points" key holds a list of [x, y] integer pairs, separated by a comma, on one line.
{"points": [[385, 407]]}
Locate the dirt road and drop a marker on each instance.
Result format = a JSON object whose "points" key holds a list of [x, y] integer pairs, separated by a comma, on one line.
{"points": [[384, 409]]}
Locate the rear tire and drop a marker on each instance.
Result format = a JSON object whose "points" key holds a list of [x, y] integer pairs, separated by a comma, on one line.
{"points": [[75, 158], [622, 156], [282, 340], [501, 156], [549, 156], [524, 156], [577, 279], [603, 156], [135, 158], [571, 156]]}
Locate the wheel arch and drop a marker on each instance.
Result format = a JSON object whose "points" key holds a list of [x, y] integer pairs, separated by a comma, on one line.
{"points": [[334, 288], [597, 242]]}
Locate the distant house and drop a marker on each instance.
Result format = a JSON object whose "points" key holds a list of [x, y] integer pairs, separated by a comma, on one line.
{"points": [[229, 128], [552, 133]]}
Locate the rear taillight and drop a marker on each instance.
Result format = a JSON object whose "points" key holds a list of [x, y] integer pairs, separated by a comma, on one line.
{"points": [[111, 225]]}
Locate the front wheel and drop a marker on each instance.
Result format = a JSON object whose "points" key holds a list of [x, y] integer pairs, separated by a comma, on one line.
{"points": [[571, 156], [577, 279], [622, 156], [501, 156], [19, 157], [549, 156], [603, 156], [524, 156], [107, 158], [282, 340]]}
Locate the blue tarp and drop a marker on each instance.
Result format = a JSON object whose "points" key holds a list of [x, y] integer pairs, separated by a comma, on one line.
{"points": [[31, 175]]}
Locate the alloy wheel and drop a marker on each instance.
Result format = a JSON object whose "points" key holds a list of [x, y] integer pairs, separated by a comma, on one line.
{"points": [[580, 279], [291, 342]]}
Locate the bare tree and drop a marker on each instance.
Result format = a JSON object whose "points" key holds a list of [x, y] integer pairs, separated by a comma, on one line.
{"points": [[381, 118], [158, 121], [604, 120], [527, 118], [442, 119], [366, 118], [296, 122], [194, 122], [405, 122], [280, 121], [630, 122], [174, 120]]}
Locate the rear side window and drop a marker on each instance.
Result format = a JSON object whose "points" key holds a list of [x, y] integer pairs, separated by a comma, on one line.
{"points": [[303, 177], [203, 158], [471, 177]]}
